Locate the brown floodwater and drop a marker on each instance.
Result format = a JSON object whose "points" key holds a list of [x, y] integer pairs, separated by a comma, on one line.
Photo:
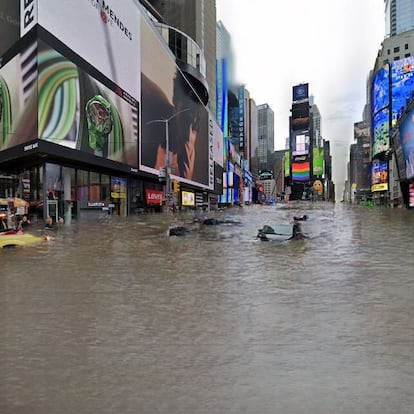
{"points": [[112, 316]]}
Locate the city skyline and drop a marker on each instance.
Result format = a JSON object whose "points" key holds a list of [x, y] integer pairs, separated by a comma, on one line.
{"points": [[314, 45]]}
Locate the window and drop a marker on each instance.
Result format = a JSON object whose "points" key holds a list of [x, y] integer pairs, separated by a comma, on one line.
{"points": [[396, 49], [406, 46]]}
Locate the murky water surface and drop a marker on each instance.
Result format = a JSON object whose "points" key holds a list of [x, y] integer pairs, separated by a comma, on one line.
{"points": [[111, 316]]}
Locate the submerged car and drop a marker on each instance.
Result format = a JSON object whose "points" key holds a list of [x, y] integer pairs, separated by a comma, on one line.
{"points": [[17, 238], [281, 232]]}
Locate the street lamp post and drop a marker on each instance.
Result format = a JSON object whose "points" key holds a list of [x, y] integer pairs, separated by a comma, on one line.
{"points": [[167, 153]]}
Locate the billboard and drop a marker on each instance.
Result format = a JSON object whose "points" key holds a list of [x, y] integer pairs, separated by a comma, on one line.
{"points": [[406, 138], [402, 85], [79, 112], [301, 168], [381, 89], [106, 33], [18, 99], [300, 144], [300, 92], [300, 115], [381, 135], [318, 161], [171, 113], [379, 176], [217, 142], [241, 118], [287, 163], [221, 95], [411, 195]]}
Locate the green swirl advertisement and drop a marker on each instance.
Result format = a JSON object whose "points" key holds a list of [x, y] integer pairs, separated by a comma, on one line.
{"points": [[80, 112], [51, 98]]}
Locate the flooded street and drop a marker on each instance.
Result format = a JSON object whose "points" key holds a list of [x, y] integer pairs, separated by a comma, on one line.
{"points": [[112, 316]]}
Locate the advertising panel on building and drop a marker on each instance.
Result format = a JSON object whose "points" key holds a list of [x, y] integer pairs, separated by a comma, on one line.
{"points": [[381, 89], [300, 116], [300, 168], [300, 92], [379, 176], [318, 162], [300, 142], [402, 85], [406, 138], [166, 95], [104, 33], [381, 138]]}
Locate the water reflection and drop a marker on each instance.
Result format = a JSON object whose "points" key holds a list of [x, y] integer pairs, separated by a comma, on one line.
{"points": [[113, 316]]}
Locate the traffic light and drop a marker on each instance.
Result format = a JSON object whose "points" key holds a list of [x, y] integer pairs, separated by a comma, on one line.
{"points": [[176, 186]]}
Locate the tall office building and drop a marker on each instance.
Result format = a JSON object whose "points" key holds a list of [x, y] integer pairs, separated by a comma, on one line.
{"points": [[315, 125], [266, 135], [399, 16], [197, 19]]}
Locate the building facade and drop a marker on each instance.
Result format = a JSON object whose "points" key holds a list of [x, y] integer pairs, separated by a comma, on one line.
{"points": [[84, 132]]}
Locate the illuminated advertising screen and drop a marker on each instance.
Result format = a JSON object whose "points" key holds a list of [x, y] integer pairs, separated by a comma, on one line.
{"points": [[105, 33], [381, 89], [300, 92], [381, 137], [172, 116], [402, 81], [217, 142], [300, 142], [379, 176], [287, 164], [411, 195], [318, 161], [18, 99], [221, 97], [300, 169], [407, 143], [79, 112], [300, 116], [188, 198], [241, 116]]}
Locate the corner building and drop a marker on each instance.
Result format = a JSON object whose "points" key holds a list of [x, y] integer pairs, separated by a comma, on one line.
{"points": [[83, 111]]}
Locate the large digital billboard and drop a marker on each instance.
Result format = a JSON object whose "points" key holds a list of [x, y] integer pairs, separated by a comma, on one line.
{"points": [[402, 85], [300, 92], [171, 111], [301, 169], [18, 99], [300, 115], [49, 97], [381, 89], [78, 111], [379, 176], [318, 161], [381, 132], [407, 143], [106, 33], [392, 89], [300, 144]]}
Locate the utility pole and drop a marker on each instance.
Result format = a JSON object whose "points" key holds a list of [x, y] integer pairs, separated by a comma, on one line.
{"points": [[166, 121]]}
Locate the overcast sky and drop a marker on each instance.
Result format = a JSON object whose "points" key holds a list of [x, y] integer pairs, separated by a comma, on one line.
{"points": [[330, 44]]}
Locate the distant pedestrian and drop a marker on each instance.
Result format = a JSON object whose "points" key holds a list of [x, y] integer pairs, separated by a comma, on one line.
{"points": [[49, 223]]}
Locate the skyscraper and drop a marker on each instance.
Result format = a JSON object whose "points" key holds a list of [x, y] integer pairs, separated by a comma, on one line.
{"points": [[266, 135], [399, 16]]}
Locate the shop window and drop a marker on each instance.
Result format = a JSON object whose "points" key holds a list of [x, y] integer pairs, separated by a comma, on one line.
{"points": [[94, 187], [83, 185]]}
